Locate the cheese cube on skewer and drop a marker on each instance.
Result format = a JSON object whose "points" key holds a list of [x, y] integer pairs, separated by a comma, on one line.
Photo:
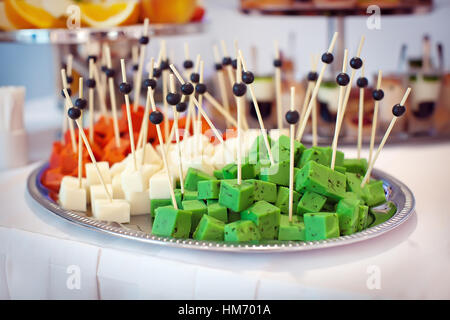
{"points": [[137, 180], [98, 192], [72, 182], [71, 196], [117, 187], [92, 176], [116, 210], [139, 202], [151, 155], [159, 186], [118, 168]]}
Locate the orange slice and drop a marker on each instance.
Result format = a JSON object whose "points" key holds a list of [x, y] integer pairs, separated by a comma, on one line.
{"points": [[109, 14], [24, 15], [5, 23]]}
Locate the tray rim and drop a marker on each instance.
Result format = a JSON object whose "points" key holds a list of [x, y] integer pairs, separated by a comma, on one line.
{"points": [[36, 191]]}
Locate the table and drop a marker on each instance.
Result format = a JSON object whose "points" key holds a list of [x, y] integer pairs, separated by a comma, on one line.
{"points": [[43, 256]]}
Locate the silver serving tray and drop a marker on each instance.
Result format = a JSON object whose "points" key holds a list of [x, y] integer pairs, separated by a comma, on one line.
{"points": [[139, 228]]}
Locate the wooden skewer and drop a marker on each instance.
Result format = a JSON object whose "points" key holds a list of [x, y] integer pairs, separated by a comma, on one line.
{"points": [[191, 111], [229, 67], [69, 64], [340, 110], [88, 147], [137, 86], [143, 139], [91, 102], [315, 91], [239, 128], [200, 102], [177, 135], [291, 157], [80, 142], [383, 141], [374, 119], [278, 88], [314, 62], [71, 127], [221, 80], [100, 91], [220, 108], [349, 87], [130, 123], [163, 152], [360, 116], [258, 112], [112, 96], [243, 110], [164, 88]]}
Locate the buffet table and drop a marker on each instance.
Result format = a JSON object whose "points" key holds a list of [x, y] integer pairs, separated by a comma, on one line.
{"points": [[45, 257]]}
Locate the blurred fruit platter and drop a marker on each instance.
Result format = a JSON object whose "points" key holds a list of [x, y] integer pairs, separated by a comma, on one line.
{"points": [[74, 21]]}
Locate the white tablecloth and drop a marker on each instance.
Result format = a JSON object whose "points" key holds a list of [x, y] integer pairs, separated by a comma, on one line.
{"points": [[43, 256]]}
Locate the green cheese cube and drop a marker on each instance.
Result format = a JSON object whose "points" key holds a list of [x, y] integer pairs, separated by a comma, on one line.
{"points": [[277, 173], [328, 151], [340, 169], [373, 193], [348, 214], [283, 200], [264, 190], [281, 149], [329, 206], [362, 219], [218, 211], [171, 222], [291, 230], [258, 151], [313, 154], [266, 217], [197, 208], [208, 189], [236, 197], [230, 171], [356, 165], [320, 226], [354, 184], [233, 216], [242, 231], [218, 174], [322, 180], [310, 202], [193, 176], [211, 201], [156, 203], [381, 215], [190, 195], [209, 228]]}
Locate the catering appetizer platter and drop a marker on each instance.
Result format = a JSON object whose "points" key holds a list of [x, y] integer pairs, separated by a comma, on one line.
{"points": [[136, 174]]}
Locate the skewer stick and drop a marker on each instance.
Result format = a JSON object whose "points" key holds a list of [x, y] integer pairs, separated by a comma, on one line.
{"points": [[164, 88], [163, 152], [221, 80], [137, 86], [291, 157], [177, 134], [80, 142], [239, 128], [315, 91], [228, 117], [360, 116], [374, 119], [278, 88], [112, 96], [130, 123], [191, 111], [200, 102], [383, 141], [244, 111], [88, 147], [100, 91], [91, 102], [69, 64], [143, 139], [258, 112], [340, 110], [228, 67], [314, 62], [200, 109], [349, 87], [71, 127]]}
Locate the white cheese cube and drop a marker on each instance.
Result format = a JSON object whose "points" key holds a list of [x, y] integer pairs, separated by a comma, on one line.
{"points": [[137, 180], [117, 187], [117, 168], [92, 176], [139, 202], [98, 192], [72, 182], [73, 198], [116, 210], [159, 186], [151, 155]]}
